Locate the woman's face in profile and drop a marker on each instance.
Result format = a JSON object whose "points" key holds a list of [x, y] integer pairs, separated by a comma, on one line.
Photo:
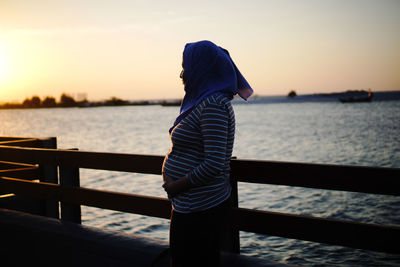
{"points": [[182, 74]]}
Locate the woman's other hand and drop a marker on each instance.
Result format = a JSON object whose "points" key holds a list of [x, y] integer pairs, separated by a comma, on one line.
{"points": [[174, 187], [167, 179]]}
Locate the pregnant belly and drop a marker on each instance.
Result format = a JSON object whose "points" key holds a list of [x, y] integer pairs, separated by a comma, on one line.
{"points": [[176, 166]]}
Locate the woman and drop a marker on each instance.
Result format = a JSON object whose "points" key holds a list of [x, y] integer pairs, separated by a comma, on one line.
{"points": [[196, 169]]}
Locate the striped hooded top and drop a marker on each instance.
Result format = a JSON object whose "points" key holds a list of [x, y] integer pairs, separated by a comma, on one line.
{"points": [[202, 135], [201, 149]]}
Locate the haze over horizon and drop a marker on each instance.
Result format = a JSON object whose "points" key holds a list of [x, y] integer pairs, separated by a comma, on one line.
{"points": [[133, 49]]}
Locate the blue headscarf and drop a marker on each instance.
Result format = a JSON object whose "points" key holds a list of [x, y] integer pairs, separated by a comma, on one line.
{"points": [[208, 70]]}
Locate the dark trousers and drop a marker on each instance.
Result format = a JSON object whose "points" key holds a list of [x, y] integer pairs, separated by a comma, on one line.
{"points": [[195, 238]]}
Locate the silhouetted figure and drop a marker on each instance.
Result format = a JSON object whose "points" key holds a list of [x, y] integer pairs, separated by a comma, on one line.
{"points": [[196, 170]]}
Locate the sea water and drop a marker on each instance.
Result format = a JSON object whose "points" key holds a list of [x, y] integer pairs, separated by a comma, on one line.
{"points": [[365, 134]]}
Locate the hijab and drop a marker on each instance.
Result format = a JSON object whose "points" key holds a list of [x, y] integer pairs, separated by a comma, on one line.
{"points": [[209, 70]]}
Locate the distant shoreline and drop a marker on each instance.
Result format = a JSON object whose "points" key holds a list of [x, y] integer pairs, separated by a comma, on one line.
{"points": [[317, 97], [323, 97], [68, 102]]}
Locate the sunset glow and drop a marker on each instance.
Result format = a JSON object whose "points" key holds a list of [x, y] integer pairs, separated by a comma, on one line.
{"points": [[3, 63], [133, 49]]}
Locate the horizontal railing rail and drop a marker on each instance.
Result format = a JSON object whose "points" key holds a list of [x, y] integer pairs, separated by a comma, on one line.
{"points": [[23, 142], [12, 138], [323, 230], [6, 165], [28, 173], [364, 179], [147, 164], [124, 202], [375, 180], [19, 170]]}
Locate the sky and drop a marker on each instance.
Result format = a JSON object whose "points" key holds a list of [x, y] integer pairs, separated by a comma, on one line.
{"points": [[133, 49]]}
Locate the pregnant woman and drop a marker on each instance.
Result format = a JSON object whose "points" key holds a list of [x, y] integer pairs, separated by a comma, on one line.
{"points": [[196, 169]]}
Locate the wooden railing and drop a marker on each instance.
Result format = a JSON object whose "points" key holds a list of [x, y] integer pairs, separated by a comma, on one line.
{"points": [[374, 180]]}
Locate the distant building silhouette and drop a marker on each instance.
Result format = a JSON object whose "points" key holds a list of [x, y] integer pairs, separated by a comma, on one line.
{"points": [[67, 101]]}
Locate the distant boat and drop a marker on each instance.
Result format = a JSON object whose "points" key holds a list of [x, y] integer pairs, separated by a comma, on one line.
{"points": [[357, 99]]}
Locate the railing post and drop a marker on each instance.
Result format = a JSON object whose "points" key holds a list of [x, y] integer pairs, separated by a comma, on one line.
{"points": [[231, 241], [50, 176], [69, 177]]}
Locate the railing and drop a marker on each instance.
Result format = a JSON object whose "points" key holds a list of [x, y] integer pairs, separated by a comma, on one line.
{"points": [[41, 172], [374, 180]]}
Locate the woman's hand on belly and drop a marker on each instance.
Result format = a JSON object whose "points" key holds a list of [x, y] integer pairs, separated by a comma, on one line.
{"points": [[174, 187]]}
